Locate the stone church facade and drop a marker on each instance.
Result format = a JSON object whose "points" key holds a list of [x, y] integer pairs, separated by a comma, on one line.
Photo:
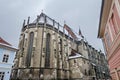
{"points": [[47, 52]]}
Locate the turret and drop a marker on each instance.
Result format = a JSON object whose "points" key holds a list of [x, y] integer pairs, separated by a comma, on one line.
{"points": [[23, 25], [28, 21]]}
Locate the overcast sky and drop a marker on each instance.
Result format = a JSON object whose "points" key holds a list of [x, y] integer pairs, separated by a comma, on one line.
{"points": [[77, 13]]}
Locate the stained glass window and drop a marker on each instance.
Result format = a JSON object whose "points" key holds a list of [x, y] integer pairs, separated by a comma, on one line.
{"points": [[47, 56], [30, 46]]}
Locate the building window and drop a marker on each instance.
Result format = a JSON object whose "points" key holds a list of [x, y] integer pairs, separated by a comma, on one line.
{"points": [[85, 72], [47, 56], [110, 32], [108, 40], [117, 16], [23, 42], [89, 72], [61, 46], [74, 61], [30, 46], [114, 24], [5, 58], [2, 75], [115, 20], [84, 61]]}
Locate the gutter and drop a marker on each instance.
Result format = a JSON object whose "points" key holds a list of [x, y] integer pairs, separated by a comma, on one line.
{"points": [[102, 5]]}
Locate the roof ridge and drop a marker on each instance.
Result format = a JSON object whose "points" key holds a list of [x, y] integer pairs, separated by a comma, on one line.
{"points": [[4, 42]]}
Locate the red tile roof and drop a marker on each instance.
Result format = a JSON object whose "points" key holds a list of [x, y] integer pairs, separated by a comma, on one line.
{"points": [[2, 41]]}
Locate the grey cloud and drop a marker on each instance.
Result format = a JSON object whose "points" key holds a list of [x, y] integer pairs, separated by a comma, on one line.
{"points": [[83, 13]]}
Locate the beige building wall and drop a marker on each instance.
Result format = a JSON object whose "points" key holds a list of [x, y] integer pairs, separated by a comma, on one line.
{"points": [[61, 46]]}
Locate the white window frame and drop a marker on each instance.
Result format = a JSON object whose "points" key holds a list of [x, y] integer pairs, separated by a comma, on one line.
{"points": [[5, 58], [2, 74]]}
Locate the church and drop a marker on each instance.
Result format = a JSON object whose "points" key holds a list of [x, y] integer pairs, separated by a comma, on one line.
{"points": [[48, 51]]}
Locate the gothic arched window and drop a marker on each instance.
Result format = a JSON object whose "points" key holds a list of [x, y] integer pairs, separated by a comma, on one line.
{"points": [[47, 56], [30, 46], [61, 46], [23, 43]]}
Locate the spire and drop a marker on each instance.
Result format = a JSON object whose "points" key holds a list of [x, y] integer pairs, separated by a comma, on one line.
{"points": [[41, 14], [28, 20], [80, 33], [37, 18], [53, 22], [24, 23]]}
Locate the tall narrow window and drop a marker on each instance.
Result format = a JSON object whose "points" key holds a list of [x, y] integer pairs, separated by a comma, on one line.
{"points": [[114, 23], [30, 46], [85, 72], [107, 39], [23, 42], [2, 75], [47, 56], [116, 16], [74, 61], [5, 58], [61, 46]]}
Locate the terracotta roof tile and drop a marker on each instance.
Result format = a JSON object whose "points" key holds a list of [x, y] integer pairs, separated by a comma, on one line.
{"points": [[2, 41]]}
